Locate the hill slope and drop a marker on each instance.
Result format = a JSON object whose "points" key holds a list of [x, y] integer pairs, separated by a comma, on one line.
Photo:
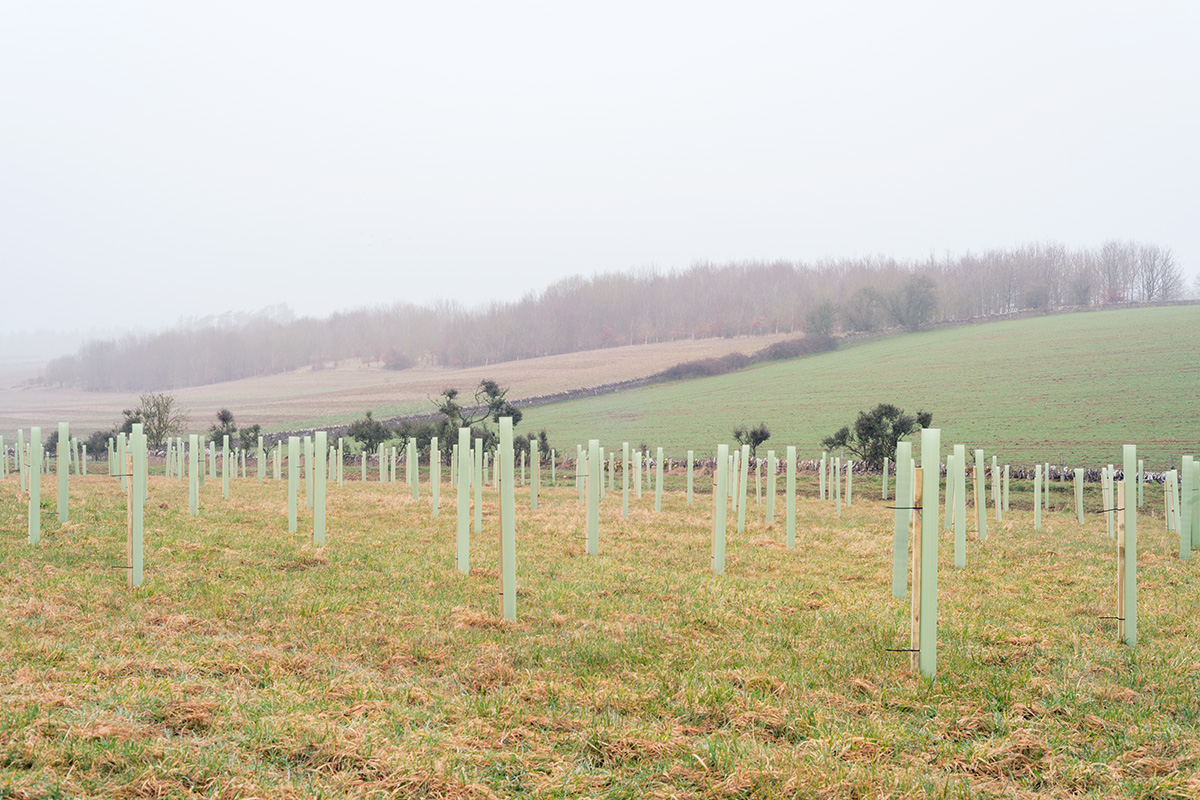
{"points": [[1069, 388], [308, 397]]}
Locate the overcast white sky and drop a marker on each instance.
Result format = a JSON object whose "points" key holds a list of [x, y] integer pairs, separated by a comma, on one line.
{"points": [[160, 160]]}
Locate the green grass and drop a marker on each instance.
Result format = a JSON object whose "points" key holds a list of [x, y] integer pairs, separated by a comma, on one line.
{"points": [[251, 663], [1067, 389]]}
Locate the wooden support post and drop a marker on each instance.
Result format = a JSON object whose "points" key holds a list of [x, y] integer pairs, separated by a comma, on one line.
{"points": [[914, 635], [593, 498], [790, 505], [508, 523], [464, 501], [719, 507]]}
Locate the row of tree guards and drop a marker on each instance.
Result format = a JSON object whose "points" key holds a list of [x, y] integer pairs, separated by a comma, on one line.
{"points": [[314, 461]]}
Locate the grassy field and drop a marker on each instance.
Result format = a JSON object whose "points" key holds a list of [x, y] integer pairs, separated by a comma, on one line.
{"points": [[1066, 389], [253, 665], [340, 393]]}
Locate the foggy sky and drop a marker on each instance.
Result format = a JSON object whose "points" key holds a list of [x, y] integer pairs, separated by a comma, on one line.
{"points": [[160, 160]]}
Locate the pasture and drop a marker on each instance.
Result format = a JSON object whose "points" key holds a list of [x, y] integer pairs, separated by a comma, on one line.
{"points": [[1060, 388], [253, 664]]}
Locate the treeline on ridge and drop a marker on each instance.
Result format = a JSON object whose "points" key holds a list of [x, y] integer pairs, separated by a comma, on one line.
{"points": [[621, 308]]}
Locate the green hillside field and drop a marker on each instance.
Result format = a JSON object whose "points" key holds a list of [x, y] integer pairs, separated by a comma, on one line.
{"points": [[1069, 389]]}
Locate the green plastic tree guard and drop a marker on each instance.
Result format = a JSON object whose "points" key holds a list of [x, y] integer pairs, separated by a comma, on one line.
{"points": [[308, 472], [948, 518], [435, 473], [960, 500], [262, 465], [193, 477], [637, 475], [64, 470], [886, 465], [593, 498], [137, 441], [1005, 487], [691, 457], [535, 473], [1185, 508], [903, 519], [790, 503], [625, 480], [320, 484], [1141, 482], [980, 495], [743, 462], [413, 469], [464, 501], [121, 446], [658, 480], [1037, 498], [293, 481], [772, 468], [477, 485], [719, 503], [1129, 501], [508, 522], [837, 483], [225, 466], [1079, 495], [849, 482], [931, 473], [35, 485], [1195, 515], [821, 476]]}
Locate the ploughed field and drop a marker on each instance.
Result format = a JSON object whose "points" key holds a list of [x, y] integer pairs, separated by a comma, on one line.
{"points": [[342, 392], [1059, 388], [252, 664]]}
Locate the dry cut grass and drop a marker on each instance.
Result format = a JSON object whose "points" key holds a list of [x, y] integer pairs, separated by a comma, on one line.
{"points": [[253, 665]]}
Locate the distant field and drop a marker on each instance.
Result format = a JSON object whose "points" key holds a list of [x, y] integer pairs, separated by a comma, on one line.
{"points": [[1070, 388], [339, 394]]}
